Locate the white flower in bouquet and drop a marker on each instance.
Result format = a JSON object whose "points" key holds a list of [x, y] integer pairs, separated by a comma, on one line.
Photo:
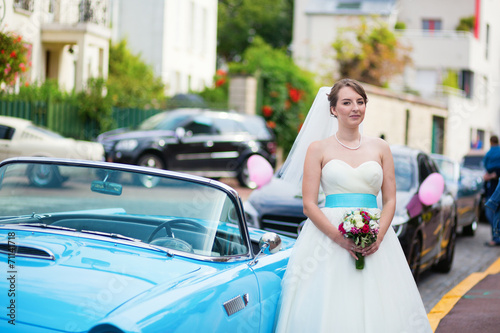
{"points": [[348, 226], [358, 219]]}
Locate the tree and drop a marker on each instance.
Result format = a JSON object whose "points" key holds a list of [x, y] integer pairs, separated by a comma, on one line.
{"points": [[373, 56], [240, 21], [466, 24], [287, 90], [14, 55], [131, 82]]}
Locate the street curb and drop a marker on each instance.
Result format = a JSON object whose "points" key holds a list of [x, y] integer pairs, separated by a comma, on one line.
{"points": [[444, 306]]}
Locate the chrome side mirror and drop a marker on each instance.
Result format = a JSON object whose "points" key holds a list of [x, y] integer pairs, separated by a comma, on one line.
{"points": [[269, 243]]}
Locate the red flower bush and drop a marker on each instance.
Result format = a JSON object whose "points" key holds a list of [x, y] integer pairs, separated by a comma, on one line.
{"points": [[14, 56], [271, 124], [267, 111], [295, 94]]}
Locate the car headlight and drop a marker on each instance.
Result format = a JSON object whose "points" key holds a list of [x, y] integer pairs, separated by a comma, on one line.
{"points": [[126, 145], [251, 215], [399, 223]]}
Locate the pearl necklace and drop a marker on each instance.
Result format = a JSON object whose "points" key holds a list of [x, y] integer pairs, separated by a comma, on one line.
{"points": [[343, 145]]}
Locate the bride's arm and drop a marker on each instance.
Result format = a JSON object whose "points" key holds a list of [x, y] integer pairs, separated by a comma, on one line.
{"points": [[310, 189], [388, 196]]}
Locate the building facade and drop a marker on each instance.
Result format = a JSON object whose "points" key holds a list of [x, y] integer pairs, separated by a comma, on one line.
{"points": [[69, 39], [458, 69], [177, 38]]}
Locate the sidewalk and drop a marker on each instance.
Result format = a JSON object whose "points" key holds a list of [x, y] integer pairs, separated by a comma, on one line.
{"points": [[472, 306]]}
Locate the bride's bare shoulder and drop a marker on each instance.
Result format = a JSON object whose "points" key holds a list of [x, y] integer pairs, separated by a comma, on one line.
{"points": [[375, 142]]}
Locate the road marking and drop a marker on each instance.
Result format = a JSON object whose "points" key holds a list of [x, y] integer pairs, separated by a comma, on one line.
{"points": [[444, 306]]}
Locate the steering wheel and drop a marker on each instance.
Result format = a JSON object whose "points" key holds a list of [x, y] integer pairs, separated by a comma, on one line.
{"points": [[175, 222]]}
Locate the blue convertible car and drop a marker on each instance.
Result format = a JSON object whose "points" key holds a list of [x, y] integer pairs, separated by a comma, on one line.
{"points": [[119, 248]]}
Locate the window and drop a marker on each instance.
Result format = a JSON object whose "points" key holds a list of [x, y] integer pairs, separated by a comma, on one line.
{"points": [[431, 25], [224, 125], [200, 125], [487, 46], [6, 132], [437, 135], [424, 168], [27, 5], [466, 82], [349, 4]]}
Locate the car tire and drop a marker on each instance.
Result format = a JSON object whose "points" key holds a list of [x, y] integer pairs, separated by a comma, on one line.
{"points": [[42, 175], [470, 230], [244, 176], [414, 258], [151, 161], [445, 263]]}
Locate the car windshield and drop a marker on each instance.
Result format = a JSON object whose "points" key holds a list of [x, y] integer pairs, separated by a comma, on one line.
{"points": [[447, 169], [404, 172], [163, 121], [182, 214], [45, 131], [473, 162]]}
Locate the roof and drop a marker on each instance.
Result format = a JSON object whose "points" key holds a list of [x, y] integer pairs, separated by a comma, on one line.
{"points": [[14, 122], [351, 7]]}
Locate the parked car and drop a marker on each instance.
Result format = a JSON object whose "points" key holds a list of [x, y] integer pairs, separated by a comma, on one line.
{"points": [[20, 137], [96, 255], [467, 188], [473, 161], [207, 143], [427, 233]]}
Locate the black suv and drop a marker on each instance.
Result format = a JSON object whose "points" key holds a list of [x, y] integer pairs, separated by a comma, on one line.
{"points": [[212, 144]]}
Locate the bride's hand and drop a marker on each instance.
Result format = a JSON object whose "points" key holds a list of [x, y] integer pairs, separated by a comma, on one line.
{"points": [[349, 245], [372, 248]]}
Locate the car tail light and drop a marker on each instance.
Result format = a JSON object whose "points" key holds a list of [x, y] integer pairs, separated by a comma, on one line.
{"points": [[271, 146]]}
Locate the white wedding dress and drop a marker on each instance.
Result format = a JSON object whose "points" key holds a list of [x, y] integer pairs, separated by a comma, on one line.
{"points": [[322, 289]]}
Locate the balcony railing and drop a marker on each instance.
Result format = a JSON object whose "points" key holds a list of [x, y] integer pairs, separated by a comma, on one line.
{"points": [[27, 5], [93, 12], [80, 11], [442, 34]]}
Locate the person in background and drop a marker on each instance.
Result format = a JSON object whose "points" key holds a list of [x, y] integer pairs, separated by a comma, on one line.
{"points": [[491, 163]]}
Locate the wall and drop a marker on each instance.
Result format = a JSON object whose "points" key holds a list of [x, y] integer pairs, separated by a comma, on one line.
{"points": [[386, 114], [177, 38]]}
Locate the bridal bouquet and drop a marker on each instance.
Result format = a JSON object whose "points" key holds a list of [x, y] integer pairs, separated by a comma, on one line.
{"points": [[362, 226]]}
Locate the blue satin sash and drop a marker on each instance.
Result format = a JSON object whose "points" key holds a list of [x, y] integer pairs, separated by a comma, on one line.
{"points": [[360, 200]]}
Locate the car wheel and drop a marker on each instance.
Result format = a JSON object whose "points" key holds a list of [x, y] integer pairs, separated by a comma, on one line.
{"points": [[42, 175], [444, 265], [414, 260], [244, 176], [152, 161], [470, 230]]}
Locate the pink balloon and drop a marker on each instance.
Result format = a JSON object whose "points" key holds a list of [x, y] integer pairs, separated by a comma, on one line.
{"points": [[431, 189], [260, 171]]}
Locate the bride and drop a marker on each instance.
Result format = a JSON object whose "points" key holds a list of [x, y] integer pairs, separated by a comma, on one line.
{"points": [[322, 289]]}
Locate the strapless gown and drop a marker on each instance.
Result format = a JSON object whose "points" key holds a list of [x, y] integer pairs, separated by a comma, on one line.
{"points": [[322, 289]]}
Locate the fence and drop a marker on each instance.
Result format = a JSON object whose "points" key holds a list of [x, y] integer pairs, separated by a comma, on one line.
{"points": [[64, 119]]}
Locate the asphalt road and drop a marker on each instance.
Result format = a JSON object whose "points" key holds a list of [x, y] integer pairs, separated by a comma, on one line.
{"points": [[470, 256]]}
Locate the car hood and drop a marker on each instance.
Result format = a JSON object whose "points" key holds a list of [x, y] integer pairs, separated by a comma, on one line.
{"points": [[279, 193], [86, 150], [125, 133], [86, 280]]}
